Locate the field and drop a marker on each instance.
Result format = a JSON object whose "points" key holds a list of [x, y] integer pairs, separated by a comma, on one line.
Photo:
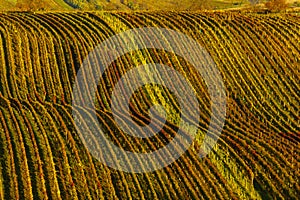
{"points": [[256, 157]]}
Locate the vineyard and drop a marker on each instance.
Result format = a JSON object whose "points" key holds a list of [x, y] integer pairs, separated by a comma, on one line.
{"points": [[256, 157]]}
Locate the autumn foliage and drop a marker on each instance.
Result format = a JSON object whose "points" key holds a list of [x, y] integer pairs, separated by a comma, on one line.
{"points": [[276, 5]]}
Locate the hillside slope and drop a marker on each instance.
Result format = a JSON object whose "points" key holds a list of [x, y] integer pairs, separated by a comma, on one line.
{"points": [[25, 5], [256, 157]]}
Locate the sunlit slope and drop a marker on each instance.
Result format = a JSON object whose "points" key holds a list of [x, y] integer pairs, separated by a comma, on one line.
{"points": [[119, 4], [256, 157], [32, 5]]}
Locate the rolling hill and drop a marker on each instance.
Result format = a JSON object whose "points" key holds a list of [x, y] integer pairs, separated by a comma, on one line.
{"points": [[124, 5], [43, 157]]}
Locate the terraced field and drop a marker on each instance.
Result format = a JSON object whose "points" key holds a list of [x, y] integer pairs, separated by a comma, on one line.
{"points": [[256, 157]]}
